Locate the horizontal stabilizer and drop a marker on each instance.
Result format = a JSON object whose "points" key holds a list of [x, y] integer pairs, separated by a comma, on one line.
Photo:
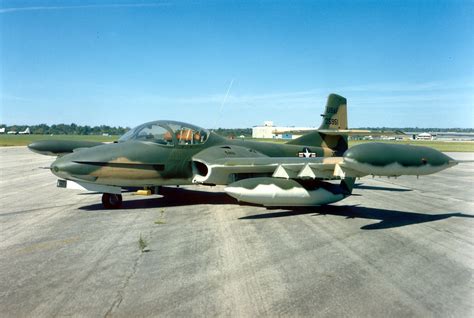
{"points": [[357, 132], [338, 132]]}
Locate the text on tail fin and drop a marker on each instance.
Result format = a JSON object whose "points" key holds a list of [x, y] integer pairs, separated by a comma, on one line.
{"points": [[335, 114]]}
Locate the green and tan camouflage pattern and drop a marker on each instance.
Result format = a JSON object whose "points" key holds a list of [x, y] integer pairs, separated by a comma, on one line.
{"points": [[141, 163]]}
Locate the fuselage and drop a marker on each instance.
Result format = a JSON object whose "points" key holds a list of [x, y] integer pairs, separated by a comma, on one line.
{"points": [[297, 173], [164, 152], [141, 163]]}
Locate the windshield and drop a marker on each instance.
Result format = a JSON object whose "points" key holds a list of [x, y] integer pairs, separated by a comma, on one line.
{"points": [[167, 133]]}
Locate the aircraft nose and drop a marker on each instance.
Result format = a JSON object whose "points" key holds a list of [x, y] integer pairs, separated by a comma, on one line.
{"points": [[65, 168], [60, 168]]}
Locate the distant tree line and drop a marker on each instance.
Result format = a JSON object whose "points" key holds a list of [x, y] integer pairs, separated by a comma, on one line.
{"points": [[68, 129], [73, 129]]}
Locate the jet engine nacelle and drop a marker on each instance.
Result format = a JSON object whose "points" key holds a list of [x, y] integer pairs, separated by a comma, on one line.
{"points": [[219, 171]]}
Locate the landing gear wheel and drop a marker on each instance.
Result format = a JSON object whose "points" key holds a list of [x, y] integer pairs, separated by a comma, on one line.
{"points": [[111, 201]]}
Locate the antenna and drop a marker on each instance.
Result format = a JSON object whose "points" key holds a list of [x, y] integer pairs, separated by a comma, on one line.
{"points": [[223, 103]]}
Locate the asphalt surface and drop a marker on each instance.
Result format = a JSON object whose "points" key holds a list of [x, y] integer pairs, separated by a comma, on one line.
{"points": [[398, 247]]}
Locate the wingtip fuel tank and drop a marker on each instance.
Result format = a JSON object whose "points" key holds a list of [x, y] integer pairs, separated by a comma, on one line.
{"points": [[383, 159], [60, 147]]}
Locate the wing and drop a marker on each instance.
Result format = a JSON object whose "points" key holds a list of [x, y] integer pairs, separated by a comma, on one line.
{"points": [[276, 181], [235, 162], [223, 165]]}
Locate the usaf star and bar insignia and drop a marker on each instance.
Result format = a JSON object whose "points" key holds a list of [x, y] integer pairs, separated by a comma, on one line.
{"points": [[306, 153]]}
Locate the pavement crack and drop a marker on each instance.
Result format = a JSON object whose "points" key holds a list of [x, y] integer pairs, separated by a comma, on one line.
{"points": [[119, 298]]}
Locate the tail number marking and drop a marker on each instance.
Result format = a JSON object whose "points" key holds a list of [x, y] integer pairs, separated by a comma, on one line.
{"points": [[331, 121]]}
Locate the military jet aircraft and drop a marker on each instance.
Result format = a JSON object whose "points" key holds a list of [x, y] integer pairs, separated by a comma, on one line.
{"points": [[315, 169]]}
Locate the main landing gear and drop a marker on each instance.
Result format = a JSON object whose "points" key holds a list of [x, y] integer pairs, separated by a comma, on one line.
{"points": [[111, 200]]}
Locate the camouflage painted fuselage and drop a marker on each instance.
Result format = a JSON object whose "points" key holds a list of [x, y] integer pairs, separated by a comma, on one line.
{"points": [[301, 172], [143, 163]]}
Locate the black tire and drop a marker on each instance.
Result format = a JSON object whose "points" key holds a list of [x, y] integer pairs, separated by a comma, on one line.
{"points": [[111, 200]]}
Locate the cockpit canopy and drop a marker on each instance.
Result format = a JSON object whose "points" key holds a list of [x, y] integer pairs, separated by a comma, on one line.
{"points": [[169, 133]]}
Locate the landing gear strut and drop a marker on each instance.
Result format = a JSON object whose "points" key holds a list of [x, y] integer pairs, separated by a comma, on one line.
{"points": [[111, 200]]}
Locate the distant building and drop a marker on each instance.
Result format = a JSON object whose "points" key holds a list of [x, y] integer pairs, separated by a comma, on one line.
{"points": [[270, 131], [2, 130], [424, 136], [445, 135]]}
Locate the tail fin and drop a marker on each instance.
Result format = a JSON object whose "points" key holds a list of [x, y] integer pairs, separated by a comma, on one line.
{"points": [[335, 115]]}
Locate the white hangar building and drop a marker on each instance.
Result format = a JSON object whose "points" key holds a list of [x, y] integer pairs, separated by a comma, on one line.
{"points": [[270, 131]]}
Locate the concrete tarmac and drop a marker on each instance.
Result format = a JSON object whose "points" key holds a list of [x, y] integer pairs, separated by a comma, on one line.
{"points": [[398, 247]]}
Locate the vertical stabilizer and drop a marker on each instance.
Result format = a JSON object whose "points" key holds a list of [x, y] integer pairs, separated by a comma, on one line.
{"points": [[335, 114], [334, 117]]}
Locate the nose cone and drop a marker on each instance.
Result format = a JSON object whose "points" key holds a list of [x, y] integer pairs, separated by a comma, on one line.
{"points": [[66, 168], [62, 167]]}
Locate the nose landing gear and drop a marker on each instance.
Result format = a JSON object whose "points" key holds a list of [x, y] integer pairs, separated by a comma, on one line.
{"points": [[111, 200]]}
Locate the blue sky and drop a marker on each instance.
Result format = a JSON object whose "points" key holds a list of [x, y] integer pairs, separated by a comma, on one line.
{"points": [[399, 63]]}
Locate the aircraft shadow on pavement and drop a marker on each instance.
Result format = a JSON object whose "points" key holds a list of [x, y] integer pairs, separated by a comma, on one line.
{"points": [[388, 218], [172, 197]]}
